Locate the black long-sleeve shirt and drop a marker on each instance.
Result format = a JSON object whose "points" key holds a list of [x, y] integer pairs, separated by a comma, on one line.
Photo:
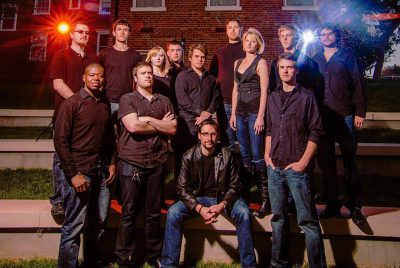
{"points": [[84, 134], [292, 124], [344, 90]]}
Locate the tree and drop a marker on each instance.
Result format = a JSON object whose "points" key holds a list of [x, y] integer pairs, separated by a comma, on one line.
{"points": [[369, 27]]}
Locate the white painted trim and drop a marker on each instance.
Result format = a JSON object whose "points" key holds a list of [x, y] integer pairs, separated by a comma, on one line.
{"points": [[134, 8], [41, 13], [74, 8], [100, 32], [15, 21], [237, 7], [314, 7]]}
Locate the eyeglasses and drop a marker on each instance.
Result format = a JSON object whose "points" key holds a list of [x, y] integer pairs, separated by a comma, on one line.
{"points": [[82, 32], [206, 134], [327, 34]]}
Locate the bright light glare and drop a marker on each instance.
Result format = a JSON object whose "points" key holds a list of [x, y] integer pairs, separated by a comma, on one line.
{"points": [[63, 28], [308, 37]]}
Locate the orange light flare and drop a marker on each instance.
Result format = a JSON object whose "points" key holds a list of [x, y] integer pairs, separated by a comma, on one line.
{"points": [[383, 16], [63, 28]]}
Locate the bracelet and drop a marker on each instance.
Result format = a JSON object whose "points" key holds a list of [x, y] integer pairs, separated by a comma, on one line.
{"points": [[200, 208]]}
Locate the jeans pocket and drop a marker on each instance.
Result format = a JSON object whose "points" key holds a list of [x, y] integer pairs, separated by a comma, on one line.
{"points": [[129, 170]]}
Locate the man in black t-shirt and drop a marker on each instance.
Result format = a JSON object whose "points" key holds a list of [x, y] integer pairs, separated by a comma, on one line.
{"points": [[118, 62]]}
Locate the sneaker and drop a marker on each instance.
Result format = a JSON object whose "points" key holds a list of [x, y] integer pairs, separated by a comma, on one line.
{"points": [[57, 209], [357, 216], [329, 212]]}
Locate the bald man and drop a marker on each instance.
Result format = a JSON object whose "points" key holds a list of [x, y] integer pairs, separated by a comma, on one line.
{"points": [[84, 140]]}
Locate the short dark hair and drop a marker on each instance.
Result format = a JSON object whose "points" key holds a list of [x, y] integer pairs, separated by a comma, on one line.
{"points": [[210, 122], [121, 22], [287, 56], [91, 65], [234, 19], [140, 65], [331, 26], [200, 47], [174, 42]]}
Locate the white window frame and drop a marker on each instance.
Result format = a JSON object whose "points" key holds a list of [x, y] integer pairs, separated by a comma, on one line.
{"points": [[15, 18], [314, 7], [45, 48], [161, 8], [41, 13], [100, 32], [70, 5], [209, 7], [101, 8]]}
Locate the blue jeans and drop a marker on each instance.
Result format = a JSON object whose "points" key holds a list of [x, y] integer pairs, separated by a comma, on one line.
{"points": [[90, 206], [179, 213], [228, 137], [58, 181], [281, 181], [251, 145]]}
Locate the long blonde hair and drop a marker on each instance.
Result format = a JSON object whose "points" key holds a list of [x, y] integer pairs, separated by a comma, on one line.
{"points": [[153, 52]]}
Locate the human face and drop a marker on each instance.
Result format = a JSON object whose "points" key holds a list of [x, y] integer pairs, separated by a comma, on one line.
{"points": [[286, 37], [144, 77], [287, 71], [174, 53], [158, 59], [250, 44], [327, 38], [80, 35], [94, 78], [233, 31], [121, 33], [208, 137], [197, 60]]}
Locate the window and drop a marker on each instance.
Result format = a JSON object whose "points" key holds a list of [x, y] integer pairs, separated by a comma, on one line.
{"points": [[38, 46], [105, 7], [223, 5], [102, 39], [8, 19], [74, 4], [300, 5], [42, 7], [148, 5]]}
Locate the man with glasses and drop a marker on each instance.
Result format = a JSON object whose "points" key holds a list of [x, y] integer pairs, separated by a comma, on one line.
{"points": [[66, 71], [208, 186], [343, 110]]}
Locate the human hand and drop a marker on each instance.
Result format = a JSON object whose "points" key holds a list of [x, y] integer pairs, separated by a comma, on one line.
{"points": [[203, 116], [207, 215], [80, 183], [358, 121], [259, 125], [111, 177], [168, 117], [217, 208], [232, 122], [297, 166], [268, 161]]}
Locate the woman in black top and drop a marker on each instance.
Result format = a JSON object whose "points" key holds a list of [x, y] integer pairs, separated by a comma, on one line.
{"points": [[249, 98]]}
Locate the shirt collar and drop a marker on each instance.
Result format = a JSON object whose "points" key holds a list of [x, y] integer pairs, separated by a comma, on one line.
{"points": [[140, 97]]}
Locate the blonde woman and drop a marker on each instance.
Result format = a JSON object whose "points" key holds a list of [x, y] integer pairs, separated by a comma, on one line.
{"points": [[249, 98]]}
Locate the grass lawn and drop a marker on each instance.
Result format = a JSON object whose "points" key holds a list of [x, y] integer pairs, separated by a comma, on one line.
{"points": [[383, 96]]}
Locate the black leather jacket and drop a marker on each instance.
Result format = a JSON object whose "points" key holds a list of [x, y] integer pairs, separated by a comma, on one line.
{"points": [[226, 175]]}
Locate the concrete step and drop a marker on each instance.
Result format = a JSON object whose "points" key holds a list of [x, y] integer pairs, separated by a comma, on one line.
{"points": [[28, 230]]}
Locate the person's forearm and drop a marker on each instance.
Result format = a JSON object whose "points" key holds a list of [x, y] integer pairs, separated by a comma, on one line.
{"points": [[268, 146], [62, 89], [234, 100], [165, 127], [137, 126], [263, 103], [308, 153]]}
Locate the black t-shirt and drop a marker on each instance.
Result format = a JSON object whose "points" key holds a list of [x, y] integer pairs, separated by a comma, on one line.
{"points": [[284, 96], [118, 67], [208, 188]]}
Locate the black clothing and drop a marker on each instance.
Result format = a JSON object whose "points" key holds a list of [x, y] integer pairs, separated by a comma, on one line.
{"points": [[143, 150], [118, 67], [248, 87], [221, 67], [191, 181], [292, 125], [69, 66], [308, 76], [344, 89], [84, 134], [284, 96], [162, 85], [207, 170]]}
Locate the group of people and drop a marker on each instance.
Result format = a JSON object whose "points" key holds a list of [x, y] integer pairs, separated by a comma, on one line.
{"points": [[116, 114]]}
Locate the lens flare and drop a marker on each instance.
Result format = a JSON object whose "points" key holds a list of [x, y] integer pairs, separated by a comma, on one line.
{"points": [[63, 28], [308, 37]]}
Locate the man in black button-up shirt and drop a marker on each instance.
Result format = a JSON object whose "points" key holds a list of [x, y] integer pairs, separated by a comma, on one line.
{"points": [[84, 140], [293, 131], [344, 108]]}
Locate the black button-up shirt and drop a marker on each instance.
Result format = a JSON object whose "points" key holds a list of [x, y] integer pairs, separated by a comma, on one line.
{"points": [[143, 150], [84, 134], [292, 124], [344, 90]]}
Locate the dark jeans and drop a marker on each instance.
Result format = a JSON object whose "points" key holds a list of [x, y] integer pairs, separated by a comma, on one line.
{"points": [[90, 207], [280, 182], [139, 184], [179, 213], [341, 130], [58, 181], [228, 136]]}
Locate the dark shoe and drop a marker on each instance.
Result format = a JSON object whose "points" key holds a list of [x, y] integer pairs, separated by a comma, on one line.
{"points": [[357, 216], [264, 210], [57, 209], [155, 264], [329, 212]]}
